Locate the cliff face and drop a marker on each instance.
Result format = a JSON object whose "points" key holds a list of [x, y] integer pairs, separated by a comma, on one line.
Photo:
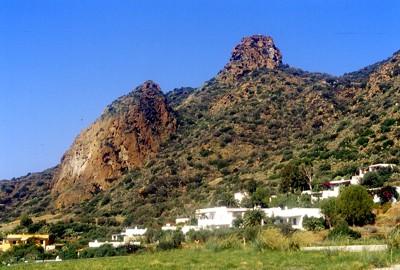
{"points": [[130, 130]]}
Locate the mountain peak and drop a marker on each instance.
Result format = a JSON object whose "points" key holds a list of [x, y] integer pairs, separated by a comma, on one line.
{"points": [[149, 85], [253, 52]]}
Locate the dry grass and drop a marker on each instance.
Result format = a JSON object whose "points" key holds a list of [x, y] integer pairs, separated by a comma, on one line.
{"points": [[306, 238]]}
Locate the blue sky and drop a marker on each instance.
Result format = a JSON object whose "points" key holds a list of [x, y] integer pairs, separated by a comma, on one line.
{"points": [[63, 61]]}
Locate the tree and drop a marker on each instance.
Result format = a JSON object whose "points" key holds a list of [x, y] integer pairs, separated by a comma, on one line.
{"points": [[254, 218], [354, 204], [372, 179], [226, 199], [260, 197], [378, 178], [329, 209], [25, 221], [292, 179], [307, 171]]}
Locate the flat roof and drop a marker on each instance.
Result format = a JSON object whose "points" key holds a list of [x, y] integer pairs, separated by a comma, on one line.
{"points": [[26, 236]]}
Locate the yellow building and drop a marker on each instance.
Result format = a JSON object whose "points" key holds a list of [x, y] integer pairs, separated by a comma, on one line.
{"points": [[11, 240]]}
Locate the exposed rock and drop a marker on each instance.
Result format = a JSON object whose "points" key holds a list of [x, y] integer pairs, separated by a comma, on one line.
{"points": [[130, 130], [252, 53]]}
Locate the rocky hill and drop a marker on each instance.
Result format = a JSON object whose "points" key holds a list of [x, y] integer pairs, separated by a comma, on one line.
{"points": [[130, 131], [151, 157]]}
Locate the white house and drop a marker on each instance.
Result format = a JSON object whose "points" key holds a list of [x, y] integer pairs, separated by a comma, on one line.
{"points": [[335, 185], [97, 244], [292, 216], [239, 196], [185, 229], [130, 234], [218, 217], [184, 220], [169, 227]]}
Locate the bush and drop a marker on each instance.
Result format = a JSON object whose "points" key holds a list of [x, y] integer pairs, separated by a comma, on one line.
{"points": [[25, 221], [250, 233], [200, 236], [229, 242], [27, 252], [385, 126], [103, 251], [170, 240], [272, 239], [372, 179], [313, 223], [363, 141], [69, 251], [342, 230], [305, 238]]}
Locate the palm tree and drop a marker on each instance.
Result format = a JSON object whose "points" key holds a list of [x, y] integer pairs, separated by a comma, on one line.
{"points": [[253, 218]]}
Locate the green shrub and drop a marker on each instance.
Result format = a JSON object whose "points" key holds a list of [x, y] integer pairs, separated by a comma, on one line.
{"points": [[69, 251], [377, 179], [20, 253], [25, 221], [342, 230], [170, 240], [385, 126], [201, 235], [313, 223], [363, 141]]}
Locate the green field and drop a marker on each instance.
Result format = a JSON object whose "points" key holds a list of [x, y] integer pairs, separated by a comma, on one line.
{"points": [[228, 259]]}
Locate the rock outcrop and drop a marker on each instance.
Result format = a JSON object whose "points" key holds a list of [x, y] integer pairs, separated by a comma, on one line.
{"points": [[251, 53], [130, 131]]}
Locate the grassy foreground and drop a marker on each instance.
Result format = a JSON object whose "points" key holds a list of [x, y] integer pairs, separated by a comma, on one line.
{"points": [[228, 259]]}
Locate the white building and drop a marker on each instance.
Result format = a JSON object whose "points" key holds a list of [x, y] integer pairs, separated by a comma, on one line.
{"points": [[293, 216], [97, 244], [184, 220], [218, 217], [130, 234], [335, 185], [223, 217], [185, 229], [239, 196]]}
